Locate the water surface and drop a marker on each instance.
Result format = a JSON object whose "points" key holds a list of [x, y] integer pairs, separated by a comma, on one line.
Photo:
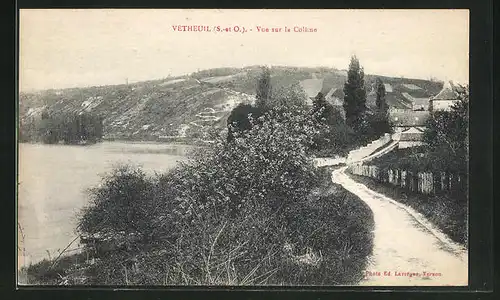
{"points": [[53, 182]]}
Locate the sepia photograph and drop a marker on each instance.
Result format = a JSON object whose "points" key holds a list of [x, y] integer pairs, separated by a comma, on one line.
{"points": [[233, 147]]}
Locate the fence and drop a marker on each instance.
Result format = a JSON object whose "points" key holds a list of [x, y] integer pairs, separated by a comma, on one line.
{"points": [[421, 182]]}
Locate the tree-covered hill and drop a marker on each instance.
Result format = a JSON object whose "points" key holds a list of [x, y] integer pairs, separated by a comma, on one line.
{"points": [[191, 104]]}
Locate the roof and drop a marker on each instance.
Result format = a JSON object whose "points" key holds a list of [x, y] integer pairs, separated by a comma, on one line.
{"points": [[413, 130], [448, 92], [411, 86], [312, 87], [412, 134], [409, 118]]}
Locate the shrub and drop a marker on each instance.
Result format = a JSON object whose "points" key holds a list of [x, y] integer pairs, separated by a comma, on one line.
{"points": [[228, 215]]}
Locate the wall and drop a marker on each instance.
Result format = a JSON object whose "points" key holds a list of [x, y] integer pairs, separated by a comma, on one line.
{"points": [[358, 154], [443, 104], [407, 144]]}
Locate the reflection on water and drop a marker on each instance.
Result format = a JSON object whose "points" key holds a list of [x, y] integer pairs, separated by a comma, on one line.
{"points": [[53, 180]]}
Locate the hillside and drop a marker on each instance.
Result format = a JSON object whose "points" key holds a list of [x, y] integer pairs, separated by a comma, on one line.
{"points": [[190, 105]]}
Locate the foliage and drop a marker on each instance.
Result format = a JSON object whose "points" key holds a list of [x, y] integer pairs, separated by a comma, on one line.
{"points": [[375, 125], [68, 128], [120, 205], [355, 95], [227, 215], [282, 99], [446, 134], [334, 135], [263, 88], [381, 103], [239, 119], [288, 97]]}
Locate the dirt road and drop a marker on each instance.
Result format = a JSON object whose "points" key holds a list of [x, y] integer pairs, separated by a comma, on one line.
{"points": [[408, 250]]}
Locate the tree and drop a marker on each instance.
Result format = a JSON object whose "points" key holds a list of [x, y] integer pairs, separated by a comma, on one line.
{"points": [[239, 119], [333, 136], [381, 102], [355, 95], [379, 121], [263, 88], [323, 111], [71, 128], [446, 133]]}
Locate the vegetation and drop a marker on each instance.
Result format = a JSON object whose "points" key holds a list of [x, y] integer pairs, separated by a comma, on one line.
{"points": [[152, 109], [381, 102], [446, 134], [263, 89], [335, 135], [446, 144], [240, 119], [250, 211], [251, 208], [355, 96], [66, 128], [379, 121]]}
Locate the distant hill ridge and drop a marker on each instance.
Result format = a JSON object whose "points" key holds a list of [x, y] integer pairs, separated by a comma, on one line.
{"points": [[191, 104]]}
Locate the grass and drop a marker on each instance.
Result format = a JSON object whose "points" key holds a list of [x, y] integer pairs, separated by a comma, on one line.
{"points": [[446, 212], [338, 225], [68, 269]]}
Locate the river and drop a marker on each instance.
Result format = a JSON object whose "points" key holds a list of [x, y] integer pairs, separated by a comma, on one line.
{"points": [[53, 182]]}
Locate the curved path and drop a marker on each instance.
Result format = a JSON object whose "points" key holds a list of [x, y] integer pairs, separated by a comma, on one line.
{"points": [[406, 244]]}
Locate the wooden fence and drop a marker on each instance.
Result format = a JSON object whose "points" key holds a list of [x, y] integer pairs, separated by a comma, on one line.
{"points": [[421, 182]]}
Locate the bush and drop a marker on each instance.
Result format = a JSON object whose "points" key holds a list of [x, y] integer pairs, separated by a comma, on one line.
{"points": [[122, 204], [212, 247], [230, 216]]}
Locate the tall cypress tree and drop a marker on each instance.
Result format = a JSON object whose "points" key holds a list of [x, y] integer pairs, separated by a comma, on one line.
{"points": [[380, 122], [263, 88], [380, 102], [355, 95]]}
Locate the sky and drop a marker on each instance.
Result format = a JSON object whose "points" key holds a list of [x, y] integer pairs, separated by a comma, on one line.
{"points": [[61, 48]]}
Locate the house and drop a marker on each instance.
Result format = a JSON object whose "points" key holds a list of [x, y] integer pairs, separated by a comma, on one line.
{"points": [[403, 120], [409, 126], [417, 103], [446, 98], [411, 137]]}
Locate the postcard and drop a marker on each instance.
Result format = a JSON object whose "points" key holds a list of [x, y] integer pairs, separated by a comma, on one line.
{"points": [[213, 147]]}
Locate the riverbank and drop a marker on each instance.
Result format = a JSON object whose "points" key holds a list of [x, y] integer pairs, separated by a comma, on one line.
{"points": [[177, 140], [330, 245]]}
